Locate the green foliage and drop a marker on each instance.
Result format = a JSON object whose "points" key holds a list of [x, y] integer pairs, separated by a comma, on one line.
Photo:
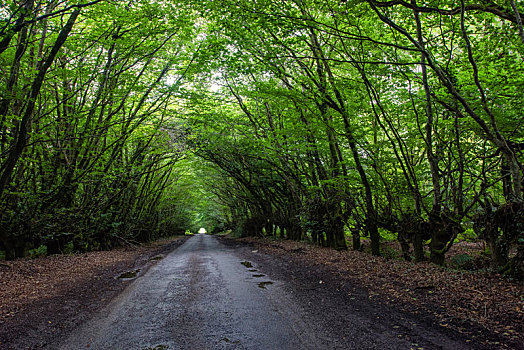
{"points": [[388, 236], [104, 137], [38, 252], [463, 261], [468, 235], [390, 252], [294, 119]]}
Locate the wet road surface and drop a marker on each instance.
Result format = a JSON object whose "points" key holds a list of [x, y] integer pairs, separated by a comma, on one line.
{"points": [[202, 296], [198, 297]]}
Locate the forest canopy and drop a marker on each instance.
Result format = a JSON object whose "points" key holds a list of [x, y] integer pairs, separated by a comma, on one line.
{"points": [[329, 121]]}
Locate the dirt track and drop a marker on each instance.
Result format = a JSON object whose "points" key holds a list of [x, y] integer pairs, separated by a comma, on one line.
{"points": [[202, 296]]}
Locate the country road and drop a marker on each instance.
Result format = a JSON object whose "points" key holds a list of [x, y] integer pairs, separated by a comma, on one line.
{"points": [[204, 295]]}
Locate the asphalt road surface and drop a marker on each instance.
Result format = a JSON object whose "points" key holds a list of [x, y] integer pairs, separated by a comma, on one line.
{"points": [[202, 296]]}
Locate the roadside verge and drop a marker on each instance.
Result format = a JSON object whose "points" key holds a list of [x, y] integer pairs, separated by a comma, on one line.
{"points": [[43, 299]]}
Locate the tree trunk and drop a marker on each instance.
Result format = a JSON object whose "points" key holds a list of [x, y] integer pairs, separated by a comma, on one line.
{"points": [[22, 136]]}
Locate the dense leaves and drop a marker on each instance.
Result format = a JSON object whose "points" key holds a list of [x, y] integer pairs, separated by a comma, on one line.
{"points": [[369, 118], [312, 120], [88, 136]]}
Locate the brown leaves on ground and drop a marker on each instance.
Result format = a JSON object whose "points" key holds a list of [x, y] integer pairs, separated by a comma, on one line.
{"points": [[25, 281], [465, 301], [29, 280], [462, 300]]}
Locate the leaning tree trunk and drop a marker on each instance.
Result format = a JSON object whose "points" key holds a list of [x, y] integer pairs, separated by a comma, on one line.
{"points": [[22, 136]]}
